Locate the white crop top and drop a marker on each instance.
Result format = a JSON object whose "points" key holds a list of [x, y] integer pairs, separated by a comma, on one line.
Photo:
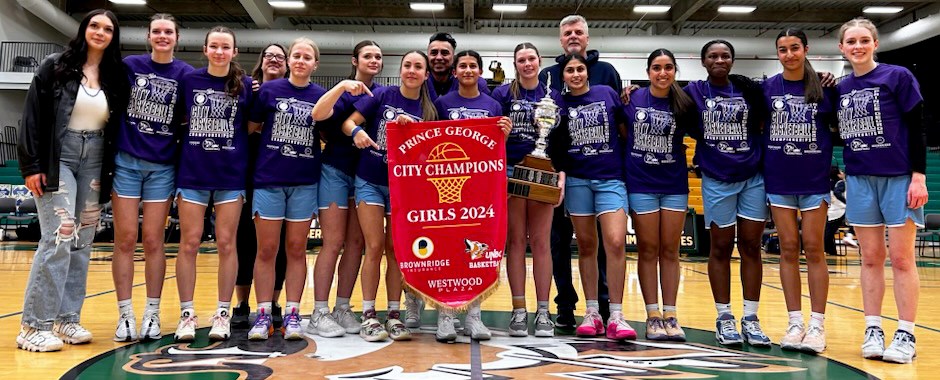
{"points": [[90, 112]]}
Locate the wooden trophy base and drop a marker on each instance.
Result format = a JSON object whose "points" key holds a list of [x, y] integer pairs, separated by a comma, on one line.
{"points": [[535, 179]]}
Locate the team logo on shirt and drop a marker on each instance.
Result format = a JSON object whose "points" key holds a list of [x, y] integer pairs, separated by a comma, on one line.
{"points": [[144, 127], [858, 145], [210, 145], [288, 150], [791, 149], [467, 113], [650, 159]]}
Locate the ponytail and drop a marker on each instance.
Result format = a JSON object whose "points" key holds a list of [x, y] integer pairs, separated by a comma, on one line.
{"points": [[679, 101], [428, 110], [234, 80], [813, 92]]}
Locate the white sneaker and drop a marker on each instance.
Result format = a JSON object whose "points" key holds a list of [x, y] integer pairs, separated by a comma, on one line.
{"points": [[186, 328], [474, 327], [445, 327], [544, 327], [221, 325], [72, 333], [902, 349], [849, 240], [815, 340], [322, 323], [874, 345], [150, 325], [126, 330], [414, 305], [793, 339], [346, 318], [519, 323], [36, 340]]}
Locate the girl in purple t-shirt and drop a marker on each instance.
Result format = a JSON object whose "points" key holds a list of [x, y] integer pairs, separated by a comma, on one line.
{"points": [[214, 161], [880, 109], [285, 184], [145, 172], [797, 157], [658, 188], [529, 221], [587, 146]]}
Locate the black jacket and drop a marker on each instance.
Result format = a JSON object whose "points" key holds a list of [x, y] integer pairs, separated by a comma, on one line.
{"points": [[599, 72], [46, 115]]}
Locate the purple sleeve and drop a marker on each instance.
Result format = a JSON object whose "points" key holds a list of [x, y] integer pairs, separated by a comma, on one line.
{"points": [[367, 105], [907, 90]]}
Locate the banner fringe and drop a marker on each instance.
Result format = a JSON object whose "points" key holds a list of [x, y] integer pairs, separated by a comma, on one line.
{"points": [[464, 307]]}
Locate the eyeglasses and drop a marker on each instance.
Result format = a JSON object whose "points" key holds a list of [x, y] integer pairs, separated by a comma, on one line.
{"points": [[274, 56]]}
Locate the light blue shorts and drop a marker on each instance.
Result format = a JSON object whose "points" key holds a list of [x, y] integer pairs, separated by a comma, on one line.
{"points": [[726, 201], [875, 201], [293, 203], [201, 197], [589, 197], [645, 203], [335, 187], [144, 180], [372, 194], [799, 202]]}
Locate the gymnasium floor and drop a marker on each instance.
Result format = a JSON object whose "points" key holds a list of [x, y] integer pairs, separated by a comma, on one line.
{"points": [[501, 358]]}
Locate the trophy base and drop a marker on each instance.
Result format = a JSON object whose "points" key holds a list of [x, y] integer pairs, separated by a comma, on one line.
{"points": [[535, 179]]}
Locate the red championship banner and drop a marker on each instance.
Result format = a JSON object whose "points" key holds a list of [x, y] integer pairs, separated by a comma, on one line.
{"points": [[447, 183]]}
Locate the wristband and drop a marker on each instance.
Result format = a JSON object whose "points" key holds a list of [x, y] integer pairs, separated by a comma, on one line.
{"points": [[355, 131]]}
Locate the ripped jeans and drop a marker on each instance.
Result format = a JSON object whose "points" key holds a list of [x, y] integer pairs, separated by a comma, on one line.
{"points": [[56, 288]]}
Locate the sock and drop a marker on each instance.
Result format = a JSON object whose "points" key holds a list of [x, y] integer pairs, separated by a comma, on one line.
{"points": [[542, 305], [152, 303], [125, 306], [224, 305], [817, 319], [518, 302], [186, 305], [723, 308], [474, 310], [342, 302], [906, 326], [873, 321], [320, 305], [592, 305], [264, 307], [616, 308], [652, 310], [518, 310], [368, 305], [293, 307], [796, 317], [750, 307], [669, 311], [394, 305]]}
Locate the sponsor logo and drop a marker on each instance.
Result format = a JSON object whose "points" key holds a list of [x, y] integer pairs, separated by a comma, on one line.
{"points": [[422, 247]]}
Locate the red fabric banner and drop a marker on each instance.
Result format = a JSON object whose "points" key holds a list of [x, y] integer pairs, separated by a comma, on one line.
{"points": [[447, 183]]}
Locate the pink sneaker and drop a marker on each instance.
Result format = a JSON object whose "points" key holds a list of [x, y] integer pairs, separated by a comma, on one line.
{"points": [[618, 328], [591, 326]]}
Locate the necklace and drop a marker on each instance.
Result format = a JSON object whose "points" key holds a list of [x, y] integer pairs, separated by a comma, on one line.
{"points": [[85, 89]]}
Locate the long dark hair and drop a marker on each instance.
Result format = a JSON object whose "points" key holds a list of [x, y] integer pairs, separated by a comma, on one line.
{"points": [[257, 73], [428, 110], [111, 70], [679, 101], [233, 79], [358, 49], [813, 92], [515, 85]]}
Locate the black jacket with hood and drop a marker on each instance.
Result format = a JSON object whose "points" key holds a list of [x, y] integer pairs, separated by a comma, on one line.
{"points": [[599, 72]]}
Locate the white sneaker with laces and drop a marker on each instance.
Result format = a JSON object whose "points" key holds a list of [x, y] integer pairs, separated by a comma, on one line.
{"points": [[445, 327], [126, 330], [849, 240], [474, 327], [902, 349], [36, 340], [72, 333], [414, 305], [793, 339], [322, 323], [519, 323], [221, 325], [346, 318], [815, 340], [150, 325], [186, 328], [873, 346]]}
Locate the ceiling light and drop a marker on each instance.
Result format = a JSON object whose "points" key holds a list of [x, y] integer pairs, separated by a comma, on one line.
{"points": [[286, 4], [736, 8], [130, 2], [427, 6], [651, 8], [510, 7], [882, 10]]}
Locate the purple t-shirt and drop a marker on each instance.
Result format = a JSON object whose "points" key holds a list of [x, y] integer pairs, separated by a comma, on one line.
{"points": [[289, 154], [730, 151], [455, 107], [797, 144], [215, 144], [386, 105], [522, 113], [655, 156], [870, 120], [339, 151], [147, 129], [596, 150]]}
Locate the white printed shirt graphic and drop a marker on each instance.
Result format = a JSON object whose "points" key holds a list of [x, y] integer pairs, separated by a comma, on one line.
{"points": [[653, 132], [725, 124], [213, 117], [793, 125], [293, 128], [588, 126], [152, 101], [860, 123]]}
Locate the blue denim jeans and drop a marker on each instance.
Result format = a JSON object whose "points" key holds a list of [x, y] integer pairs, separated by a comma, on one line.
{"points": [[56, 288]]}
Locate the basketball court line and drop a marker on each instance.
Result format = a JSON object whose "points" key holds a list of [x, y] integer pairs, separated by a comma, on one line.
{"points": [[87, 296]]}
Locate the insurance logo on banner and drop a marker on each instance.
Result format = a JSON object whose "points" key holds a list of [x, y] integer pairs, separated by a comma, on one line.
{"points": [[447, 184]]}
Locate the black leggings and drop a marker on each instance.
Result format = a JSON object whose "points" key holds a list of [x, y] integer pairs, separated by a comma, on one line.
{"points": [[247, 245]]}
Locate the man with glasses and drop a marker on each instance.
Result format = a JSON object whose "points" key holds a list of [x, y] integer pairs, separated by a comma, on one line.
{"points": [[441, 48], [573, 34]]}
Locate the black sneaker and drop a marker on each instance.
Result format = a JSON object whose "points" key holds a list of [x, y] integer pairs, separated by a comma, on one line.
{"points": [[565, 319], [277, 319], [240, 316]]}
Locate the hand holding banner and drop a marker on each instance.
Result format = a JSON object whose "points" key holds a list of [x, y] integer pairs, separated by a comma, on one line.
{"points": [[447, 184]]}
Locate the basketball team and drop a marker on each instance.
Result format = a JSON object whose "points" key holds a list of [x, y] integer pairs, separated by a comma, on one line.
{"points": [[146, 131]]}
